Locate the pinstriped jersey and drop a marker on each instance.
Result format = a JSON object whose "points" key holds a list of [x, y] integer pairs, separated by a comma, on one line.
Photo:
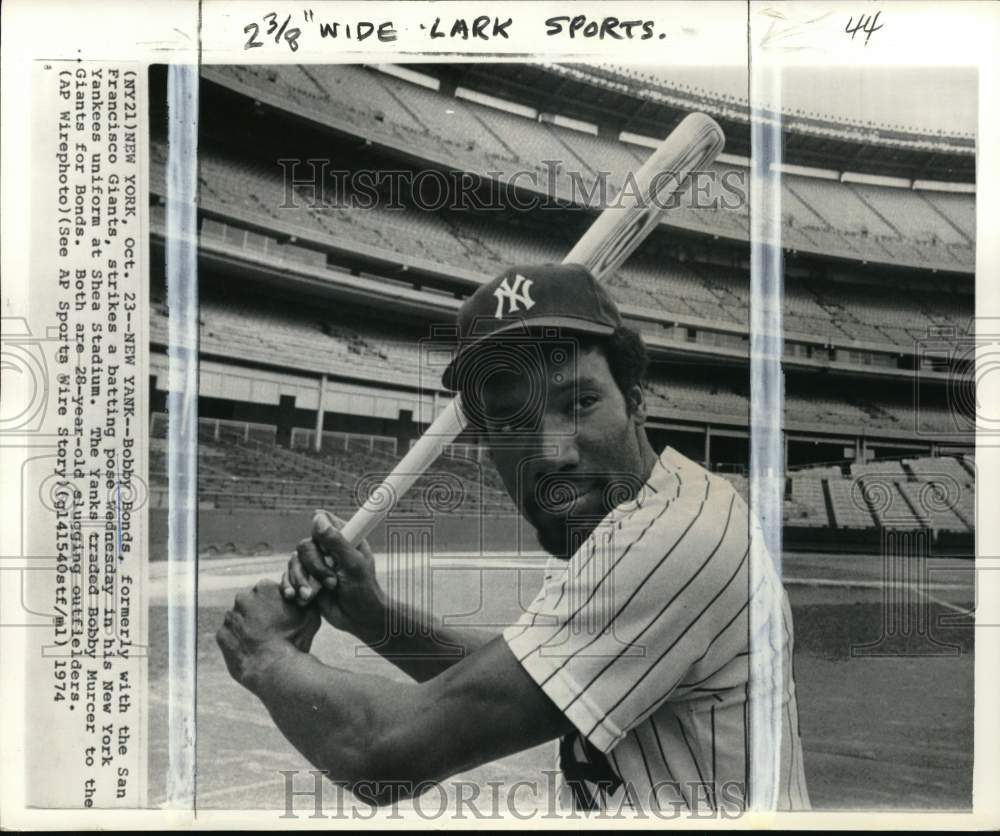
{"points": [[642, 640]]}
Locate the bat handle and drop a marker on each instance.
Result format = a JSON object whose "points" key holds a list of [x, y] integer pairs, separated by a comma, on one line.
{"points": [[445, 429]]}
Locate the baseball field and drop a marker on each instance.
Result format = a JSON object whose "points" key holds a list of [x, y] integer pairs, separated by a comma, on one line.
{"points": [[884, 675]]}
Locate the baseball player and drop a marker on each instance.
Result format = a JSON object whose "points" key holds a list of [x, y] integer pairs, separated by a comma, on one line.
{"points": [[635, 654]]}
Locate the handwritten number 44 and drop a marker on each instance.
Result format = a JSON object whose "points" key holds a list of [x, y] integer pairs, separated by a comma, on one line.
{"points": [[272, 27], [866, 24]]}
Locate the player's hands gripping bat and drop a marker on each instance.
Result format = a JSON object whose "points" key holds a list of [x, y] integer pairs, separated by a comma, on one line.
{"points": [[325, 560]]}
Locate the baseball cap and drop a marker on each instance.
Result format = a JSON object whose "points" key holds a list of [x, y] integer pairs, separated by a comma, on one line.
{"points": [[523, 298]]}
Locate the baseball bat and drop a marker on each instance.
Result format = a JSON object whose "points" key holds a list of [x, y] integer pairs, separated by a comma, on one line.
{"points": [[611, 239]]}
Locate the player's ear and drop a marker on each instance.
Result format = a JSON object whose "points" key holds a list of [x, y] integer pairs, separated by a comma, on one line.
{"points": [[636, 400]]}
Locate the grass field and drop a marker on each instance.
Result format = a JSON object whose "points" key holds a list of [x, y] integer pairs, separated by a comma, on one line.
{"points": [[889, 731]]}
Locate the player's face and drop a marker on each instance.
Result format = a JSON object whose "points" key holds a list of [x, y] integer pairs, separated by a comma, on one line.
{"points": [[577, 452]]}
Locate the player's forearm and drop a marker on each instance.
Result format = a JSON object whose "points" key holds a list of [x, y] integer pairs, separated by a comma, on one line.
{"points": [[335, 719], [418, 643]]}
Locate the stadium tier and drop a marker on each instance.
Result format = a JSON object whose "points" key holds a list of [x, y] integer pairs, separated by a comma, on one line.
{"points": [[910, 215], [237, 472], [707, 398], [472, 242], [617, 158], [286, 335], [878, 224], [242, 467], [960, 469]]}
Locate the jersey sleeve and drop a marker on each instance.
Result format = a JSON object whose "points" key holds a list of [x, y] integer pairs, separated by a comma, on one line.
{"points": [[611, 636]]}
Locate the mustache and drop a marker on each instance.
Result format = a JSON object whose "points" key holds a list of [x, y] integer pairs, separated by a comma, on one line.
{"points": [[555, 493]]}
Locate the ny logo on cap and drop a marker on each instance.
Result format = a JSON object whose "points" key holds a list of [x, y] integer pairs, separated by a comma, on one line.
{"points": [[513, 295]]}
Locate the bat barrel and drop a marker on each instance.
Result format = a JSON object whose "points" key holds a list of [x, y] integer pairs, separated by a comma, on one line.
{"points": [[621, 228]]}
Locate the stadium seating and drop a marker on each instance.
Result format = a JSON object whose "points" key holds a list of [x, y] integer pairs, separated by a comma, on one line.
{"points": [[697, 398], [615, 158], [241, 466], [318, 342], [473, 242], [956, 477], [283, 334], [888, 504], [838, 206], [810, 502], [958, 209], [535, 142], [961, 470], [242, 473], [908, 213], [849, 511], [859, 221], [935, 509], [708, 398], [446, 119]]}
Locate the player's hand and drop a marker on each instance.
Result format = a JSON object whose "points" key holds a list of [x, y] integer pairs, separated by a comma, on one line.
{"points": [[261, 628], [351, 598]]}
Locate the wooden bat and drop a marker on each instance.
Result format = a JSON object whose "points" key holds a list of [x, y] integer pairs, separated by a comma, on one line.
{"points": [[611, 239]]}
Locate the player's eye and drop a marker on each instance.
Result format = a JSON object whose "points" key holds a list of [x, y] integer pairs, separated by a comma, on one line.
{"points": [[586, 401]]}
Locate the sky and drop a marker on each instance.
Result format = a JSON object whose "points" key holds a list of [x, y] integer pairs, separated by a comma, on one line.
{"points": [[927, 98]]}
